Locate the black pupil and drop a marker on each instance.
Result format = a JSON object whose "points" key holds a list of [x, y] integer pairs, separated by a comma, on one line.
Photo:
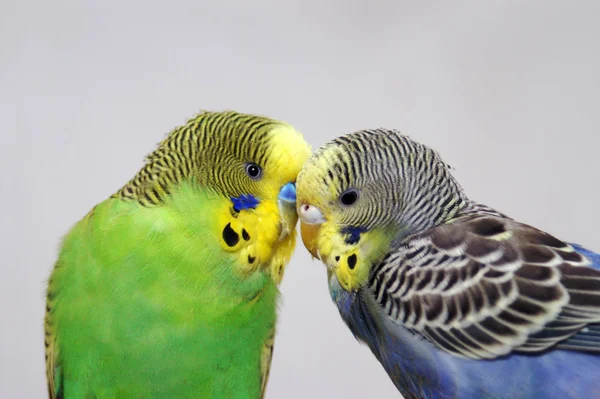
{"points": [[349, 198], [253, 170]]}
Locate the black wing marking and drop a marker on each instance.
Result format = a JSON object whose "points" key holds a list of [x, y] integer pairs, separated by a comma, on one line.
{"points": [[483, 286]]}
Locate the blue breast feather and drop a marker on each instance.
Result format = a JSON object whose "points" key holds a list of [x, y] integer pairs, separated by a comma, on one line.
{"points": [[417, 368]]}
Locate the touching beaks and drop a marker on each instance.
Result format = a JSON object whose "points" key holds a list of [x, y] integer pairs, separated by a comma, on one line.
{"points": [[310, 214]]}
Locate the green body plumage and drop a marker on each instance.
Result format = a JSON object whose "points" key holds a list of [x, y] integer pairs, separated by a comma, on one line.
{"points": [[148, 299]]}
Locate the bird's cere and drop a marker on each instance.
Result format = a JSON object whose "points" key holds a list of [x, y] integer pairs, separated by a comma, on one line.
{"points": [[310, 214]]}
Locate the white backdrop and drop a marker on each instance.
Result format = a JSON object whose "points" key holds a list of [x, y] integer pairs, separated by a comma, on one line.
{"points": [[506, 91]]}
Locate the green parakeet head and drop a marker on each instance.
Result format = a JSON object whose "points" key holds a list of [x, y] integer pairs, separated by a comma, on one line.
{"points": [[360, 192], [249, 162], [232, 153]]}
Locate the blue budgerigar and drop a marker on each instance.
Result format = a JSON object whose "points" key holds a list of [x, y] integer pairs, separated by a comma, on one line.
{"points": [[455, 299]]}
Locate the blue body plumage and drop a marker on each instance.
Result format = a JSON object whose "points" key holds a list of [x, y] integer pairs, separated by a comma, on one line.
{"points": [[415, 365]]}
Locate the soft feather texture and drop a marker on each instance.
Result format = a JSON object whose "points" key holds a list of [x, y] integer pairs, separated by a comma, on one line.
{"points": [[420, 370], [460, 301], [164, 289]]}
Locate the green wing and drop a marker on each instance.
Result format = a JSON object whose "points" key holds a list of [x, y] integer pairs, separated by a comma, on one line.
{"points": [[53, 373], [265, 363]]}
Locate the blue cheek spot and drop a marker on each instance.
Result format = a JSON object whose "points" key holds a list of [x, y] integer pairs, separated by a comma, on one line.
{"points": [[244, 201], [352, 234]]}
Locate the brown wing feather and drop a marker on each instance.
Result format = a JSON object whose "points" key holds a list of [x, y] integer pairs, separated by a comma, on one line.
{"points": [[483, 286]]}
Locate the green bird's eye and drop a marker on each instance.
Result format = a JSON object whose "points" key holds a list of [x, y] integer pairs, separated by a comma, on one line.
{"points": [[349, 197], [253, 170]]}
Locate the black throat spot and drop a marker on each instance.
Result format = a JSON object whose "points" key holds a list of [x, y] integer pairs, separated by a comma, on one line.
{"points": [[230, 237]]}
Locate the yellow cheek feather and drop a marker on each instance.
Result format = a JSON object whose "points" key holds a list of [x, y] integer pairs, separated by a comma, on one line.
{"points": [[252, 236], [347, 261], [282, 253], [351, 263], [350, 273]]}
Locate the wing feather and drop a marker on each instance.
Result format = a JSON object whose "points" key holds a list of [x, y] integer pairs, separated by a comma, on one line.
{"points": [[485, 285], [265, 363], [53, 376]]}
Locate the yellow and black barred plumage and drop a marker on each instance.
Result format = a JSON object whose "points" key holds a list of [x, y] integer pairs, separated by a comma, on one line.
{"points": [[198, 151]]}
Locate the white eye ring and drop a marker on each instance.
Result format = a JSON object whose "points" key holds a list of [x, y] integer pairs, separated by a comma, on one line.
{"points": [[310, 214], [253, 171]]}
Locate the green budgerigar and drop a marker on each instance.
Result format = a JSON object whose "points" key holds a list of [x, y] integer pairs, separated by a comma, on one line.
{"points": [[168, 288]]}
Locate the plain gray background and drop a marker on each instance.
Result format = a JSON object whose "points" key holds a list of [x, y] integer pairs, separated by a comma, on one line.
{"points": [[506, 91]]}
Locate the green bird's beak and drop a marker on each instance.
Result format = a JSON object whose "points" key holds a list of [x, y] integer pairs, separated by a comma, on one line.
{"points": [[287, 209]]}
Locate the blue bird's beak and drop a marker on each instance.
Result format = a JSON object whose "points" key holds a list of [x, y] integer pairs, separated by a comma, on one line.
{"points": [[288, 193]]}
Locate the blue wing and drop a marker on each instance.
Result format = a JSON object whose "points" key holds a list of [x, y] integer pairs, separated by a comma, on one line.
{"points": [[485, 307]]}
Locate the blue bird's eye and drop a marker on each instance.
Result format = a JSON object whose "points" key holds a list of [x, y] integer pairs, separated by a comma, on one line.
{"points": [[253, 170], [349, 197]]}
